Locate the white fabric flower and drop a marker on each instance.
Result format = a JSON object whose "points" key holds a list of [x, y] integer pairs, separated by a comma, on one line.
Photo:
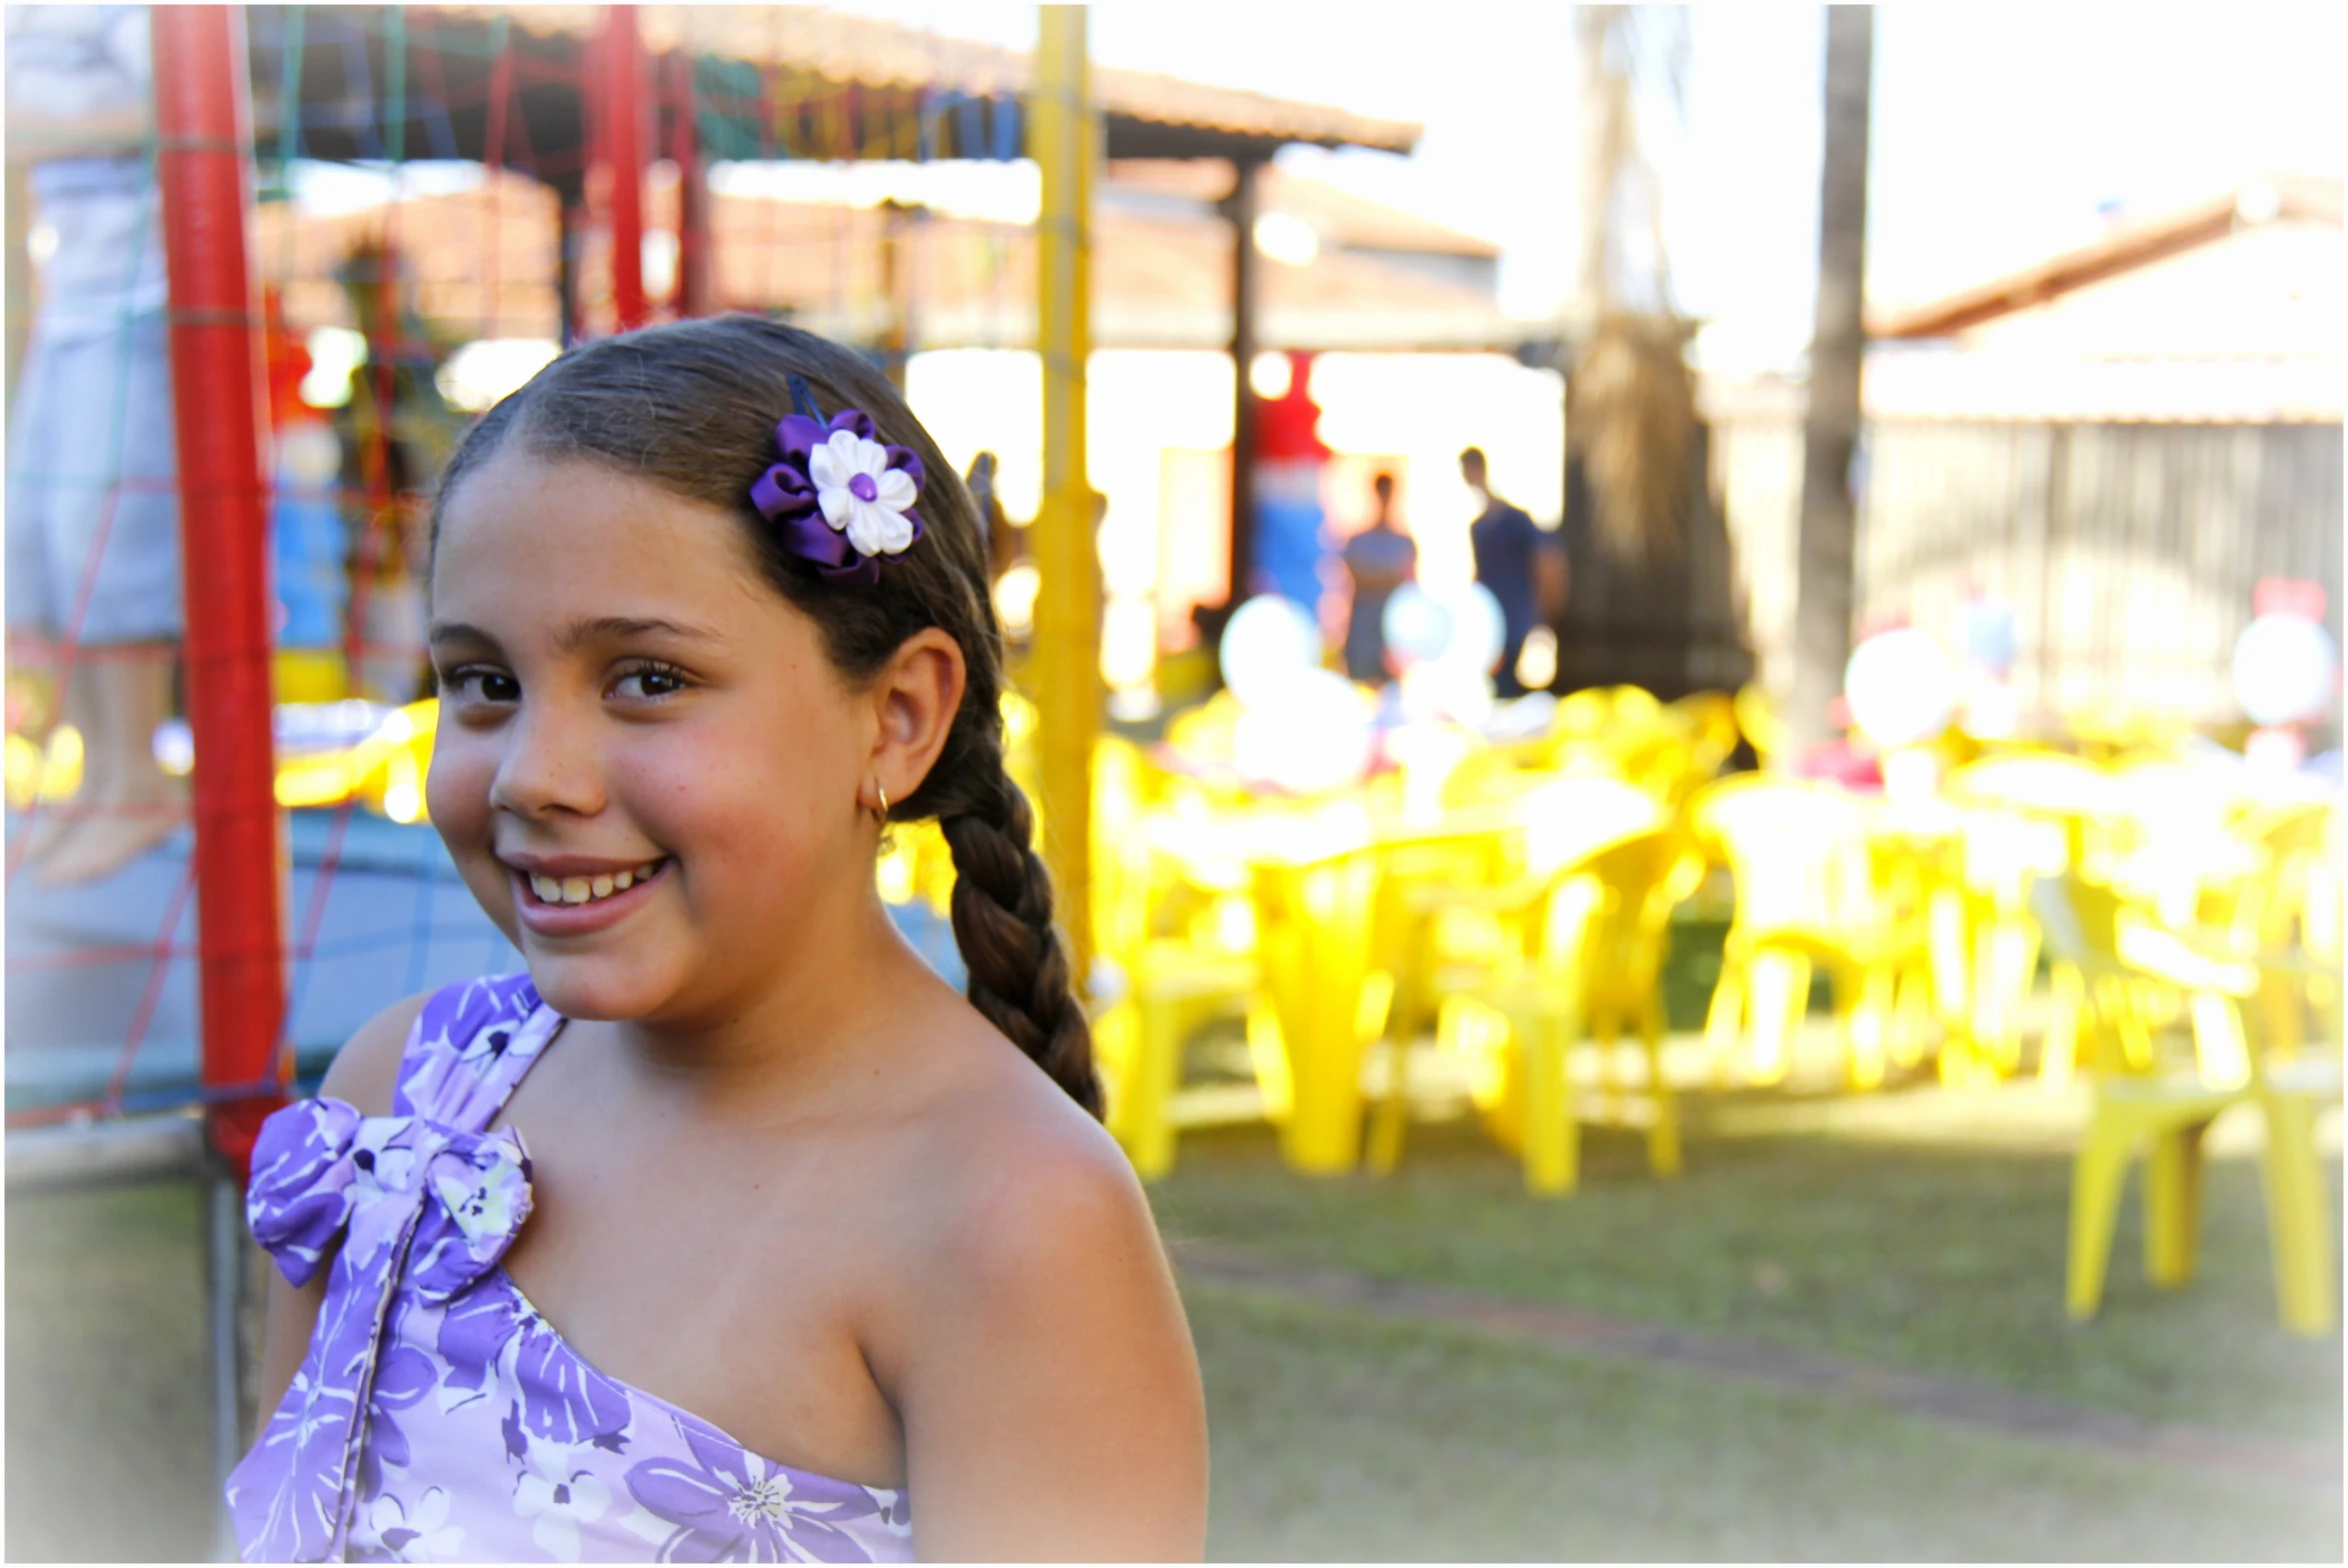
{"points": [[861, 495], [557, 1499], [423, 1536]]}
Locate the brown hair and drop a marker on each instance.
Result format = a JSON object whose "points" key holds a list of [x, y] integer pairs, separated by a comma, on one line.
{"points": [[691, 408]]}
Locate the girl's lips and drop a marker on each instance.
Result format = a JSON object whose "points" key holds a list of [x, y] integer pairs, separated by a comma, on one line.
{"points": [[578, 919]]}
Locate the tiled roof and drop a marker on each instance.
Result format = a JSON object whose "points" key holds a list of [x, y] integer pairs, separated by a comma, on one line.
{"points": [[879, 54], [2128, 247], [483, 262]]}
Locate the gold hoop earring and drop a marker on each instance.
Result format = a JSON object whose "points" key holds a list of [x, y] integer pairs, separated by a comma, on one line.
{"points": [[881, 815]]}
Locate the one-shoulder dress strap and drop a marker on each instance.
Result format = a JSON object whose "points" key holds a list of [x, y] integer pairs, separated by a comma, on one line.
{"points": [[470, 1047]]}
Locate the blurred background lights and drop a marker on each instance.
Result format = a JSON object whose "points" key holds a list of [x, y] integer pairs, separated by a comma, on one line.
{"points": [[1270, 640], [481, 373], [1288, 239], [335, 352], [1417, 627], [1902, 686], [1537, 662], [1271, 375], [2285, 669], [1015, 600], [1457, 625], [660, 250], [1308, 731], [1479, 631]]}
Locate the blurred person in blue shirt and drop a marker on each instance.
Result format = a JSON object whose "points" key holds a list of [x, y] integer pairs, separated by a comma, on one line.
{"points": [[1380, 559], [1517, 561], [93, 508]]}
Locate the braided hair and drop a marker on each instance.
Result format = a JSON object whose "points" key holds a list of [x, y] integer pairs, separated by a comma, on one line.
{"points": [[691, 408]]}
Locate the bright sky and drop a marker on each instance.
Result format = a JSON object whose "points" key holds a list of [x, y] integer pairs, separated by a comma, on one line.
{"points": [[1998, 132]]}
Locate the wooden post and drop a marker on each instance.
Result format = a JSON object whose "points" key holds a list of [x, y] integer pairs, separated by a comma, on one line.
{"points": [[204, 137], [1825, 582], [1242, 206], [1063, 138]]}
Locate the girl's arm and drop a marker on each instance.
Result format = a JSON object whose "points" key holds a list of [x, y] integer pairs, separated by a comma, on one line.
{"points": [[364, 1072], [1050, 1393]]}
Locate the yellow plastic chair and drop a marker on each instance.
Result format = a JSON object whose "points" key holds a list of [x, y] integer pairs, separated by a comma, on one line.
{"points": [[1710, 720], [1592, 947], [1811, 889], [2169, 1112], [2096, 997], [1758, 719], [2285, 913], [1440, 903], [1154, 986], [2027, 813]]}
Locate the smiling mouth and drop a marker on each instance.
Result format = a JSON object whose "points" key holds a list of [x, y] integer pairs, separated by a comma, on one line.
{"points": [[561, 891]]}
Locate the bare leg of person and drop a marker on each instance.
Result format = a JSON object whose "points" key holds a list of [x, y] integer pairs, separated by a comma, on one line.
{"points": [[48, 817], [128, 804]]}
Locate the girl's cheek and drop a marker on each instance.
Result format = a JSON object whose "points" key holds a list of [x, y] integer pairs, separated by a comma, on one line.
{"points": [[456, 788]]}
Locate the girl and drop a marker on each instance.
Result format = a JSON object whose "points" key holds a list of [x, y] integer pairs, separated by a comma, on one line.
{"points": [[729, 1231]]}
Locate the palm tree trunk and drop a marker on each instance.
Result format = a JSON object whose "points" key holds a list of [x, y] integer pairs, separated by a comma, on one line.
{"points": [[1825, 582]]}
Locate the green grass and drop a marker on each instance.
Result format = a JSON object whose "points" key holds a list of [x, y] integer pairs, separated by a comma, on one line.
{"points": [[1914, 1230], [1342, 1437], [1939, 1252], [109, 1409]]}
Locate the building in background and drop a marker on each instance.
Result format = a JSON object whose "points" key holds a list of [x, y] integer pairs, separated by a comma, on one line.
{"points": [[2120, 443]]}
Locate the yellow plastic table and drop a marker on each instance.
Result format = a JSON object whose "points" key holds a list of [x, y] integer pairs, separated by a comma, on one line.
{"points": [[1314, 871]]}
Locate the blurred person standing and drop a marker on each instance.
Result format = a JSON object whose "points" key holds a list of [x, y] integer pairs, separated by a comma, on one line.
{"points": [[1004, 544], [396, 433], [1380, 559], [1517, 561], [93, 508]]}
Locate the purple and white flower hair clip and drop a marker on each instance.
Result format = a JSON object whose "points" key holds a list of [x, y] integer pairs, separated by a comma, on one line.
{"points": [[838, 498]]}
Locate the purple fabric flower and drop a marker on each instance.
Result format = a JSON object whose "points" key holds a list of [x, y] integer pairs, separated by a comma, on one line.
{"points": [[731, 1505], [300, 1199], [838, 498], [410, 1200]]}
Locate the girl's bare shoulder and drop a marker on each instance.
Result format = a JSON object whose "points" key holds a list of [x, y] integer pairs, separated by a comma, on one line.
{"points": [[366, 1070], [1032, 1339], [996, 1171]]}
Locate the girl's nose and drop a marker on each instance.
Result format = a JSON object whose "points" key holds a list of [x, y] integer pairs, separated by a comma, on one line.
{"points": [[549, 767]]}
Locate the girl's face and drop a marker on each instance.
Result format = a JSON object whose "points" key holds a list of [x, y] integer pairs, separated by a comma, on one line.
{"points": [[645, 768]]}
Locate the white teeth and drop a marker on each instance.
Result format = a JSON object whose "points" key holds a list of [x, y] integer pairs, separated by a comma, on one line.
{"points": [[586, 889]]}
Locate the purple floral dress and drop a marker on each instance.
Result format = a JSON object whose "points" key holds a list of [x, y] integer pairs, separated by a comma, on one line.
{"points": [[437, 1415]]}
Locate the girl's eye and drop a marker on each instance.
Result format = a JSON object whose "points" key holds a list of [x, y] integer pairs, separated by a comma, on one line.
{"points": [[488, 685], [650, 681]]}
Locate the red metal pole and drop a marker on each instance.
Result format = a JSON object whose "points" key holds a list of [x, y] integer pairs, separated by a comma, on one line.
{"points": [[620, 81], [693, 190], [204, 128]]}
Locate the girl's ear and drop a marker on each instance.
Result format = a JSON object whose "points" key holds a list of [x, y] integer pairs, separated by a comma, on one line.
{"points": [[915, 696]]}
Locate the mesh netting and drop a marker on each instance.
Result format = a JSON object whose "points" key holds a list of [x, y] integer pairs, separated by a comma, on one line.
{"points": [[432, 220]]}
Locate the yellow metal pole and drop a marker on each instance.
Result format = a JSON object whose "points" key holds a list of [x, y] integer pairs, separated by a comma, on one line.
{"points": [[1063, 135]]}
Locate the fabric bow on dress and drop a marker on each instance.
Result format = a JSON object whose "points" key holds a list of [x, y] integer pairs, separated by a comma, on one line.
{"points": [[413, 1202]]}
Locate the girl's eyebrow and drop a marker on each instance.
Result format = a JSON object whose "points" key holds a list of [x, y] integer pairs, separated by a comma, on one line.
{"points": [[614, 629], [579, 633], [459, 632]]}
